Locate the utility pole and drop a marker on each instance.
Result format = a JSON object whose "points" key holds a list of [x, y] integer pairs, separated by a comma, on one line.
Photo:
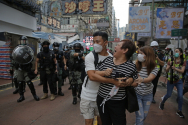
{"points": [[152, 16]]}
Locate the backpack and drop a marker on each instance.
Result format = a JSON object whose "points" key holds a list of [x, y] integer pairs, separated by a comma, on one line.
{"points": [[96, 59]]}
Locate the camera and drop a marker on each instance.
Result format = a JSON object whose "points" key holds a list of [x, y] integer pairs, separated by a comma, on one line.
{"points": [[176, 77]]}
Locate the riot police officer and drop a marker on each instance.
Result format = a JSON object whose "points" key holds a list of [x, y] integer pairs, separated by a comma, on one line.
{"points": [[23, 56], [75, 67], [47, 69], [60, 62], [69, 63]]}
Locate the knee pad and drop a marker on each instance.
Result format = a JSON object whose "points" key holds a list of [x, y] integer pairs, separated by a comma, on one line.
{"points": [[29, 82], [74, 86], [15, 79]]}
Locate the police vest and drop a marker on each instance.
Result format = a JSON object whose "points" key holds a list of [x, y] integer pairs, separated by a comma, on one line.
{"points": [[158, 66], [185, 57], [59, 57], [176, 72], [46, 61]]}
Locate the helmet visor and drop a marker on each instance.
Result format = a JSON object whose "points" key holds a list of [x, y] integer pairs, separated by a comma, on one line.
{"points": [[23, 42]]}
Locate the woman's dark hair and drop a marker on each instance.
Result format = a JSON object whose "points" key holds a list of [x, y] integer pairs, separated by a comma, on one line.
{"points": [[181, 56], [150, 59], [104, 35], [127, 44]]}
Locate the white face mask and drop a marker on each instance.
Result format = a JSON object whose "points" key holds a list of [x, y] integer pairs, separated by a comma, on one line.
{"points": [[141, 58], [98, 48]]}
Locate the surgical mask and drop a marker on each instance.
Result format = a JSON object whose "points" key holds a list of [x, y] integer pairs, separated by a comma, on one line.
{"points": [[176, 55], [141, 58], [98, 48], [46, 49]]}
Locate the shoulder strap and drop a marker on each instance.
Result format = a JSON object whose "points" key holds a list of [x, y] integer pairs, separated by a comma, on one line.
{"points": [[96, 58]]}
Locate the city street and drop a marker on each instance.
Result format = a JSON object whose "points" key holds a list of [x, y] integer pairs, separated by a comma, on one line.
{"points": [[61, 111]]}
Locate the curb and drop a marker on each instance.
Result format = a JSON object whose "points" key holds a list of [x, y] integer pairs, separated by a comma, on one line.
{"points": [[175, 92], [10, 85], [5, 86]]}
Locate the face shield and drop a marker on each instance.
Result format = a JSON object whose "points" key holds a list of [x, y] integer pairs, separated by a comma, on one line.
{"points": [[23, 42]]}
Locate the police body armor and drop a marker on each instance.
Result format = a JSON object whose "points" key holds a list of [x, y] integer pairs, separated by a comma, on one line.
{"points": [[59, 59], [46, 61], [23, 55], [78, 64]]}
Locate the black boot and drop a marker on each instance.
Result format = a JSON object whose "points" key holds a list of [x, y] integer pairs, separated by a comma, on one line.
{"points": [[21, 92], [70, 87], [74, 101], [60, 92], [40, 83], [21, 98], [33, 92], [36, 97], [16, 86], [16, 91]]}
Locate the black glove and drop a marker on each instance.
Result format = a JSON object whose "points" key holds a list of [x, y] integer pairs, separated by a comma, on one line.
{"points": [[80, 54]]}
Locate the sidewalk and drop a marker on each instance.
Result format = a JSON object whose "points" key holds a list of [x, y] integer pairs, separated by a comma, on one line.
{"points": [[163, 81], [5, 83]]}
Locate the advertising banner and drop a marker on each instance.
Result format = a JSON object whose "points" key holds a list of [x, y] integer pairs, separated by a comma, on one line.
{"points": [[74, 7], [167, 20], [139, 19]]}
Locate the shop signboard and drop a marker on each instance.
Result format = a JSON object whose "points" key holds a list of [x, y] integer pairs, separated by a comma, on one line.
{"points": [[49, 22], [167, 20], [139, 19], [179, 32], [129, 35], [73, 7]]}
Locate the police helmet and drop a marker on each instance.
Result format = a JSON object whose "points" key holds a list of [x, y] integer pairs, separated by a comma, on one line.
{"points": [[45, 43], [70, 47], [55, 44], [23, 40], [154, 43], [78, 45]]}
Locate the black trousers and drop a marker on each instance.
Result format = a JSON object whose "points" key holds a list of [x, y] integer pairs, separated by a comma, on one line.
{"points": [[114, 111], [47, 78], [155, 81]]}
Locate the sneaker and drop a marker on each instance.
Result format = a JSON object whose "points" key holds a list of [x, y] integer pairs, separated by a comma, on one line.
{"points": [[161, 106], [180, 114]]}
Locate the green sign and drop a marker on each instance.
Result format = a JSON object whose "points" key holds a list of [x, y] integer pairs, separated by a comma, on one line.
{"points": [[110, 38], [179, 32], [91, 48]]}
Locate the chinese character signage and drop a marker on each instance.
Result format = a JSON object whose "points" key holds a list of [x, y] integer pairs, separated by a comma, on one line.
{"points": [[139, 19], [167, 20], [70, 7], [50, 22]]}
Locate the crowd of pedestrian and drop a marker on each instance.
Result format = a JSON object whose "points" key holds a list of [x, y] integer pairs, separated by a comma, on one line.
{"points": [[102, 79]]}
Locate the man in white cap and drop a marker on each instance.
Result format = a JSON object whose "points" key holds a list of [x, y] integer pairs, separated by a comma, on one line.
{"points": [[160, 64]]}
